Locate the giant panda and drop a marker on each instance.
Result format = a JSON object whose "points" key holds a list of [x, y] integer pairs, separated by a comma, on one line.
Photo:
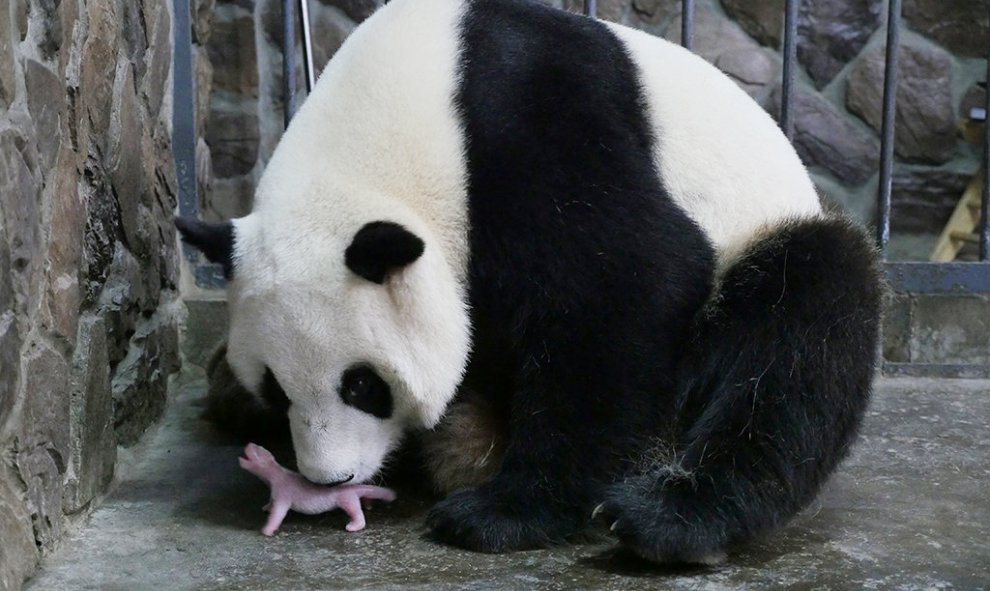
{"points": [[579, 255]]}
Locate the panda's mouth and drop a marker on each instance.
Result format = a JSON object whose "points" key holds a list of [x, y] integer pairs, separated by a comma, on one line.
{"points": [[337, 482]]}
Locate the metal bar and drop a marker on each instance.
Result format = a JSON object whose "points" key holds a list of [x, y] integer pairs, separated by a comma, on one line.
{"points": [[687, 24], [985, 202], [936, 278], [591, 8], [307, 46], [184, 118], [288, 60], [887, 140], [790, 58]]}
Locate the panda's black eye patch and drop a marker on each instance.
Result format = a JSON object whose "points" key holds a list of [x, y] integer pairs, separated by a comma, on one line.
{"points": [[366, 391]]}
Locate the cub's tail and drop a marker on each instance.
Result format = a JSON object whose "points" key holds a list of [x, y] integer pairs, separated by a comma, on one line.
{"points": [[772, 391]]}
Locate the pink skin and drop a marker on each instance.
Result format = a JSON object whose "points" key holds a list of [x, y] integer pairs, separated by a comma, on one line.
{"points": [[289, 490]]}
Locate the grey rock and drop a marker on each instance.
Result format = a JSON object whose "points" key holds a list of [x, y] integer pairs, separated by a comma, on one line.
{"points": [[655, 11], [762, 19], [232, 134], [20, 195], [722, 43], [49, 36], [20, 554], [232, 51], [962, 26], [45, 97], [825, 137], [134, 37], [140, 380], [125, 156], [330, 28], [202, 23], [122, 300], [925, 119], [833, 32], [94, 445], [43, 445], [229, 198], [103, 230], [67, 223], [99, 54], [923, 198], [8, 82], [204, 88], [159, 60], [10, 355]]}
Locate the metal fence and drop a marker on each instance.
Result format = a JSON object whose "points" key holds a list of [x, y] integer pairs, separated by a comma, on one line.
{"points": [[904, 277]]}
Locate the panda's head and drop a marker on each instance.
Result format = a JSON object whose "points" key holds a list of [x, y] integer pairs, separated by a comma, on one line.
{"points": [[359, 321]]}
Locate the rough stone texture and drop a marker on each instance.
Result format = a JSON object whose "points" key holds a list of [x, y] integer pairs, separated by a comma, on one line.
{"points": [[907, 510], [923, 198], [825, 138], [962, 26], [86, 200], [762, 19], [925, 118], [832, 32], [724, 44]]}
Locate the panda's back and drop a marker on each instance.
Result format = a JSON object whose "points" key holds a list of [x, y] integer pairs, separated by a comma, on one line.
{"points": [[451, 106]]}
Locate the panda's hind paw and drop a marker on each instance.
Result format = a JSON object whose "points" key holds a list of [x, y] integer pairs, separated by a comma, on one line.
{"points": [[652, 525]]}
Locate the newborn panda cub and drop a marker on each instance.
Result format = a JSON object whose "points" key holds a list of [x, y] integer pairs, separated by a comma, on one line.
{"points": [[289, 490]]}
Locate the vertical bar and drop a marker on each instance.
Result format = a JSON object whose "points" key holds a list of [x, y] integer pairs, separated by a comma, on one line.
{"points": [[288, 59], [985, 202], [307, 46], [687, 24], [591, 8], [790, 58], [887, 131], [184, 118]]}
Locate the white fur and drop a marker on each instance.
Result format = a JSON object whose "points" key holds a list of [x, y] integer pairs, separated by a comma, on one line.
{"points": [[722, 158], [378, 139]]}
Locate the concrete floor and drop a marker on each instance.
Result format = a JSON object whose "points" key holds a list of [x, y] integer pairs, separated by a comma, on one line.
{"points": [[909, 510]]}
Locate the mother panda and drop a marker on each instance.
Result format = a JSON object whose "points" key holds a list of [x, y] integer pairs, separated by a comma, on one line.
{"points": [[588, 231]]}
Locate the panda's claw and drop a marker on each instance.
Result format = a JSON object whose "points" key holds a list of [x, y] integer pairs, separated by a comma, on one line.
{"points": [[615, 525], [598, 510]]}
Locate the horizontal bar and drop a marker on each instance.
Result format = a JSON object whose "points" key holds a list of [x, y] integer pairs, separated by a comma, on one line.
{"points": [[977, 114], [936, 370], [935, 278]]}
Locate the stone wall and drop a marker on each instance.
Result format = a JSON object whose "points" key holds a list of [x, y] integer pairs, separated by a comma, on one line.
{"points": [[87, 255], [840, 53]]}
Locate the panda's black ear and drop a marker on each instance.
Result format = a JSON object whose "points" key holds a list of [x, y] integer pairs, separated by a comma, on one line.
{"points": [[214, 240], [381, 247]]}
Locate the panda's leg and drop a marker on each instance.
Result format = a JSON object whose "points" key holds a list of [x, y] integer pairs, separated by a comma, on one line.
{"points": [[581, 411], [774, 388]]}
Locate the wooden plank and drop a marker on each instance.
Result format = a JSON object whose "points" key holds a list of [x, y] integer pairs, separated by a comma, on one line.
{"points": [[961, 224]]}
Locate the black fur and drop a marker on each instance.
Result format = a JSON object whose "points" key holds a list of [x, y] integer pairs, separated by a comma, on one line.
{"points": [[771, 393], [215, 241], [240, 413], [584, 275], [380, 247], [366, 391]]}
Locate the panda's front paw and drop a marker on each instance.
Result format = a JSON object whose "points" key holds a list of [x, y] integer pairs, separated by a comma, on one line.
{"points": [[488, 520]]}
